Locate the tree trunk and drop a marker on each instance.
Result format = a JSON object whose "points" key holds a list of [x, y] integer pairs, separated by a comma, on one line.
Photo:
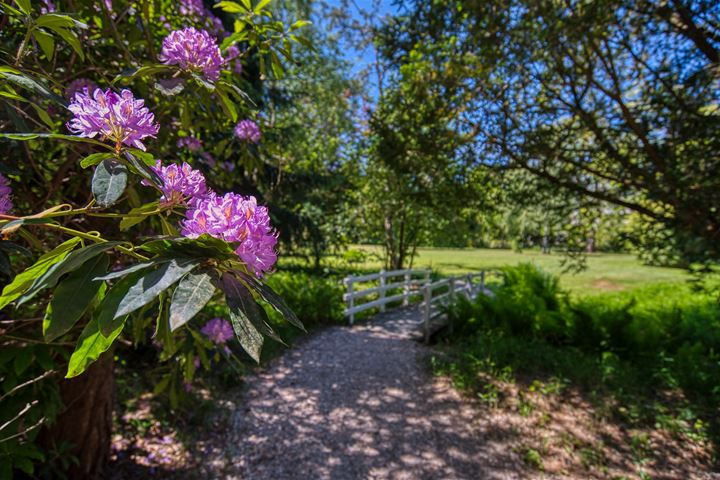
{"points": [[86, 421]]}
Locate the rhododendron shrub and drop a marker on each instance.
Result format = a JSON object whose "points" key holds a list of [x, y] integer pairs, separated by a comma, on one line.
{"points": [[115, 213]]}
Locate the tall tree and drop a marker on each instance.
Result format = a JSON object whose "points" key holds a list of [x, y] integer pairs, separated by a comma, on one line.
{"points": [[615, 100]]}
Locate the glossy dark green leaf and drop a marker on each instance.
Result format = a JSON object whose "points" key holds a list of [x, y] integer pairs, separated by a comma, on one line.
{"points": [[147, 288], [95, 158], [137, 215], [270, 296], [23, 280], [191, 295], [247, 334], [142, 169], [59, 136], [72, 297], [109, 182], [70, 263], [46, 42], [91, 344], [131, 269], [59, 20], [15, 224], [25, 81]]}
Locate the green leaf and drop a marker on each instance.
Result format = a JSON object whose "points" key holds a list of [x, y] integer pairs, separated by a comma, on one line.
{"points": [[300, 24], [190, 296], [270, 296], [203, 82], [105, 313], [23, 359], [276, 65], [24, 5], [144, 170], [43, 114], [95, 158], [203, 246], [32, 84], [227, 105], [59, 20], [261, 5], [46, 42], [91, 344], [137, 215], [72, 298], [23, 280], [143, 71], [60, 136], [109, 182], [146, 157], [248, 335], [70, 37], [70, 263], [147, 288], [133, 268], [233, 7], [15, 224], [24, 464]]}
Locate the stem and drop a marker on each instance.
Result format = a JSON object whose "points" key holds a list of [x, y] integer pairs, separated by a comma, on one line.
{"points": [[24, 43], [94, 238]]}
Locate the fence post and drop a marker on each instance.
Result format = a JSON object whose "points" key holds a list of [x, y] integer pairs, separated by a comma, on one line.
{"points": [[451, 295], [427, 295], [469, 287], [482, 282], [351, 300], [426, 277], [382, 290], [406, 289]]}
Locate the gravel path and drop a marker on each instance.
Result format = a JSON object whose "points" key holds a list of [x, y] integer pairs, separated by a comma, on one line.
{"points": [[356, 403]]}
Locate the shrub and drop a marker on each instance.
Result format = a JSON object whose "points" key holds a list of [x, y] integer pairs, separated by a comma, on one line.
{"points": [[315, 300], [674, 326]]}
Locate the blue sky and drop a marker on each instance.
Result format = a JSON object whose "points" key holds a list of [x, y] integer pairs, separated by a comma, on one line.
{"points": [[361, 58]]}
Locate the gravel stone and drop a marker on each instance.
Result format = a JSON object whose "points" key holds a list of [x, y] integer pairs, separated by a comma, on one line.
{"points": [[359, 402]]}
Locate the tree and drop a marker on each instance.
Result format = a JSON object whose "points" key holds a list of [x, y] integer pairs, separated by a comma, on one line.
{"points": [[612, 100], [416, 168]]}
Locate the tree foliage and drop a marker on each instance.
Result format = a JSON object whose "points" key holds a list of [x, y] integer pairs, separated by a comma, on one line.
{"points": [[612, 100]]}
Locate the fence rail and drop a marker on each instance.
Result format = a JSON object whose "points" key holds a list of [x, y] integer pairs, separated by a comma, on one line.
{"points": [[434, 294], [408, 284], [470, 285]]}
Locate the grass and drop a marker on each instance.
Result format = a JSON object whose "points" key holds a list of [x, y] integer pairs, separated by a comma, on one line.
{"points": [[605, 271], [637, 371]]}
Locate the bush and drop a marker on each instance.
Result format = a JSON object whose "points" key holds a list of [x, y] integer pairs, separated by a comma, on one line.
{"points": [[673, 325], [315, 300]]}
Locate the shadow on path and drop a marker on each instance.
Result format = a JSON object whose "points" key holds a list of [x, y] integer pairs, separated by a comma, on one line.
{"points": [[351, 403]]}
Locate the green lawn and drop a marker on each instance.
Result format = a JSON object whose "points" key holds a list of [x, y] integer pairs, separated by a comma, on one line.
{"points": [[606, 271]]}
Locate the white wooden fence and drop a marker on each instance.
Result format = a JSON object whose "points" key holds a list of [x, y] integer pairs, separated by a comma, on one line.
{"points": [[410, 285], [434, 295], [469, 285]]}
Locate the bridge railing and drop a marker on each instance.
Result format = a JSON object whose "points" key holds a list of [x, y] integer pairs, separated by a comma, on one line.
{"points": [[441, 293], [414, 283], [410, 281]]}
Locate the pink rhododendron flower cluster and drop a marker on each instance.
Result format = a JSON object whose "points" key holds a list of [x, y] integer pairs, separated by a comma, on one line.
{"points": [[191, 143], [192, 7], [180, 183], [118, 117], [218, 331], [5, 195], [248, 131], [193, 50], [236, 219], [232, 54]]}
